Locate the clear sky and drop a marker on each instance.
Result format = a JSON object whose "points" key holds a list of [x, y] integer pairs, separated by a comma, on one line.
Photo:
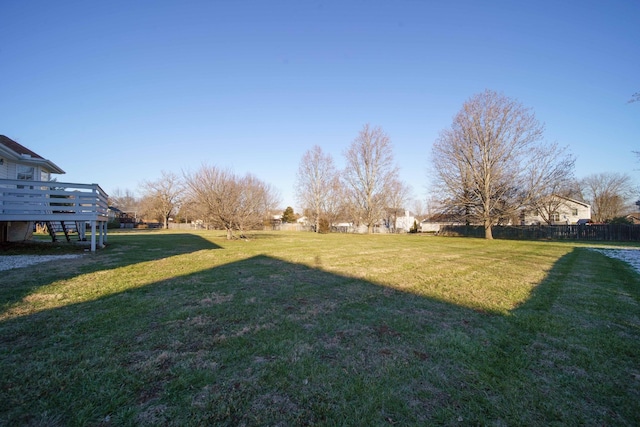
{"points": [[114, 92]]}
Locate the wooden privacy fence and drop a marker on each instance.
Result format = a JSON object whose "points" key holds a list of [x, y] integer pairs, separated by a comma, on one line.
{"points": [[605, 232]]}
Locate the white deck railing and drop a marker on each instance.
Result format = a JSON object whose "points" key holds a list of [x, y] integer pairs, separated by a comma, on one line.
{"points": [[51, 201], [40, 201]]}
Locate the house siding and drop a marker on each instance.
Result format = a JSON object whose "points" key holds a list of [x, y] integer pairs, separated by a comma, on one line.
{"points": [[565, 213]]}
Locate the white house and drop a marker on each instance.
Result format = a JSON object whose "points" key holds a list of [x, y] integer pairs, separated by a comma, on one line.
{"points": [[404, 223], [433, 223], [28, 195], [18, 162], [559, 210]]}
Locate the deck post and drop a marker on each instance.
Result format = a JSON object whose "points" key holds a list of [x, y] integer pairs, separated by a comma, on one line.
{"points": [[82, 232], [101, 234], [93, 235]]}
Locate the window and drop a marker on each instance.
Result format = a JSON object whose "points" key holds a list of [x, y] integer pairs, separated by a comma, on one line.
{"points": [[574, 212], [26, 172], [555, 216]]}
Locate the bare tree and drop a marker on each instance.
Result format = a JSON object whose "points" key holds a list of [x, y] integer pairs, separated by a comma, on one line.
{"points": [[257, 199], [188, 211], [492, 162], [369, 172], [125, 200], [315, 184], [635, 98], [228, 201], [161, 198], [334, 208], [609, 194]]}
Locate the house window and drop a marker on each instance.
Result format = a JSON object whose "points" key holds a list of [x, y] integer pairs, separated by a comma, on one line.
{"points": [[25, 172], [555, 216], [574, 212]]}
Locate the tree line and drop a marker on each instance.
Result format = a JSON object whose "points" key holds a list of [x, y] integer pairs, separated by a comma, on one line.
{"points": [[218, 197], [489, 165]]}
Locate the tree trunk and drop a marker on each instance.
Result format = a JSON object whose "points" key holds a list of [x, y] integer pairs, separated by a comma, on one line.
{"points": [[487, 230], [229, 234]]}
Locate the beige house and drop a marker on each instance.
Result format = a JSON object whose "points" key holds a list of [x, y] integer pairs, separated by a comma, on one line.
{"points": [[28, 195], [558, 210]]}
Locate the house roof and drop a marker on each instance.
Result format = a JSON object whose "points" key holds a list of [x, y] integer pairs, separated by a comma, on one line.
{"points": [[20, 153], [585, 204], [18, 148], [635, 217], [442, 218]]}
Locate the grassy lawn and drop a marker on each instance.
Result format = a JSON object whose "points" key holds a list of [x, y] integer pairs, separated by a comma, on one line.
{"points": [[176, 328]]}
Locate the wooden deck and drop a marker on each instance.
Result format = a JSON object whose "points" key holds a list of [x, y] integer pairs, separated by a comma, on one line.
{"points": [[40, 201]]}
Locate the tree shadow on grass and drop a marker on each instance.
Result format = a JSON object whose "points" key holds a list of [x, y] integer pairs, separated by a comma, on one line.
{"points": [[267, 342]]}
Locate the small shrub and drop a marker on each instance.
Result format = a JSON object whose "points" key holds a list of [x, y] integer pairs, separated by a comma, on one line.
{"points": [[620, 220], [324, 226]]}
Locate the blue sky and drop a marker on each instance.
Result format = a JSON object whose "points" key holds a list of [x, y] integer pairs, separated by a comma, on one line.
{"points": [[115, 92]]}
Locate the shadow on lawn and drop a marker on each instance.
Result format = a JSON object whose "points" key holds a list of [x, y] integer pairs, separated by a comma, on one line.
{"points": [[138, 247], [264, 341]]}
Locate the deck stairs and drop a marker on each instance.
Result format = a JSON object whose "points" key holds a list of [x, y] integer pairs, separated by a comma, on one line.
{"points": [[66, 228]]}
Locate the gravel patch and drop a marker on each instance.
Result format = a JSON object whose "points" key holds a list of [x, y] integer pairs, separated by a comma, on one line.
{"points": [[7, 262], [630, 256]]}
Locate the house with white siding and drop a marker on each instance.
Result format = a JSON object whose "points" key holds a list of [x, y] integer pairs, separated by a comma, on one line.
{"points": [[29, 195], [405, 223], [558, 210]]}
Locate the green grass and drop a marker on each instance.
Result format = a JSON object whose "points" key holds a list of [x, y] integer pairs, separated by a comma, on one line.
{"points": [[170, 328]]}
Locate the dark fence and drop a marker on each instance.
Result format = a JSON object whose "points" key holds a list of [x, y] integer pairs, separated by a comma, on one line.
{"points": [[610, 232]]}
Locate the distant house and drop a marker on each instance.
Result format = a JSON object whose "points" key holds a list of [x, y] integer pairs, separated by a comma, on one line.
{"points": [[559, 211], [432, 223], [28, 195], [123, 218], [634, 218], [405, 222]]}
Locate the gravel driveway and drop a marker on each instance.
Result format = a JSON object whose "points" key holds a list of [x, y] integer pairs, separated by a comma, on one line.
{"points": [[7, 262]]}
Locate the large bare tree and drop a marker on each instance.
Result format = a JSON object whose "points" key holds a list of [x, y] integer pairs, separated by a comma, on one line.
{"points": [[228, 201], [257, 200], [161, 197], [610, 194], [493, 161], [334, 208], [214, 193], [315, 184], [370, 170]]}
